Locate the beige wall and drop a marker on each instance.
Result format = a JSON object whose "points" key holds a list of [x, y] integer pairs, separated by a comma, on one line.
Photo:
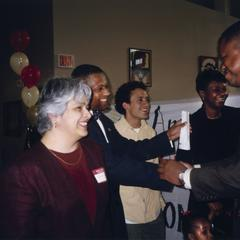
{"points": [[177, 32]]}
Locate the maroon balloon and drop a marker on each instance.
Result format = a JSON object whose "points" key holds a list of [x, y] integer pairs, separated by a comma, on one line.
{"points": [[20, 40], [30, 75]]}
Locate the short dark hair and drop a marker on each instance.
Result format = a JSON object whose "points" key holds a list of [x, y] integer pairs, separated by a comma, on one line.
{"points": [[233, 31], [123, 94], [84, 70], [205, 77]]}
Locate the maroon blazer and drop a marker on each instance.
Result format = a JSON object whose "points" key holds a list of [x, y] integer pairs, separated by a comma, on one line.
{"points": [[39, 200]]}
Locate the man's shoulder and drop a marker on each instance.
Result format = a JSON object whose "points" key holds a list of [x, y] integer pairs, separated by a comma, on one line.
{"points": [[106, 122], [104, 118], [122, 123]]}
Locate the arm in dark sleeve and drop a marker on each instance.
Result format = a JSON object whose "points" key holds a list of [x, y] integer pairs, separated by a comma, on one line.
{"points": [[141, 150], [131, 172], [217, 181], [145, 149]]}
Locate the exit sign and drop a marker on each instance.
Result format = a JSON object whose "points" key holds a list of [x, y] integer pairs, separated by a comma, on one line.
{"points": [[65, 61]]}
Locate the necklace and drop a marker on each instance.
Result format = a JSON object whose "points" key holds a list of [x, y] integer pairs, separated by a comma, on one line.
{"points": [[66, 162]]}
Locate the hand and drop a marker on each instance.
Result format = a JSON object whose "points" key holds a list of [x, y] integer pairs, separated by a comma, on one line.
{"points": [[187, 165], [174, 131], [169, 170]]}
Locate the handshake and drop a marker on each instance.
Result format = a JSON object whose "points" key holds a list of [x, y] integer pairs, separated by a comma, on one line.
{"points": [[169, 170]]}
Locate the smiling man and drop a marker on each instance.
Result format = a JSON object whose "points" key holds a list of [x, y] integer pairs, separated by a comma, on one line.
{"points": [[125, 159], [142, 206], [229, 53]]}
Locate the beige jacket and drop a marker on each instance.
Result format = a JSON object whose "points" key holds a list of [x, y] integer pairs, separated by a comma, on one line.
{"points": [[141, 205]]}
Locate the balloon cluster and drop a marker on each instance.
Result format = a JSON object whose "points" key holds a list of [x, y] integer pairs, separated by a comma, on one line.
{"points": [[29, 74]]}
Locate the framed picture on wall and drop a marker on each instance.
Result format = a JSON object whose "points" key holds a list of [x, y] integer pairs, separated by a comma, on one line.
{"points": [[140, 61], [207, 62]]}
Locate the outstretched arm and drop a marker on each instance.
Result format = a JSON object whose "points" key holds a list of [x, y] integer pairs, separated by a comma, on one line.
{"points": [[131, 172], [145, 149], [207, 183], [216, 182]]}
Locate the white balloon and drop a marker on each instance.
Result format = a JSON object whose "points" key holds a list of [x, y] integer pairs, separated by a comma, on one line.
{"points": [[18, 61], [30, 96]]}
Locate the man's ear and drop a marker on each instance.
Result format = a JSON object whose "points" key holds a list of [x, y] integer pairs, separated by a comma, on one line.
{"points": [[125, 105], [201, 94]]}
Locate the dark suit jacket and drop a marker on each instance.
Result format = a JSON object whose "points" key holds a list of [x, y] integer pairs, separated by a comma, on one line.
{"points": [[39, 200], [217, 181], [125, 162]]}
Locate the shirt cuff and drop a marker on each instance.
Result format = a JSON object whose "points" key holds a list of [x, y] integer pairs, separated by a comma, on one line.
{"points": [[186, 178], [197, 165]]}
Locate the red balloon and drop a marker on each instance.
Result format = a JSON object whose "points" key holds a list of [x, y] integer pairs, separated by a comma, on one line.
{"points": [[30, 75], [19, 40]]}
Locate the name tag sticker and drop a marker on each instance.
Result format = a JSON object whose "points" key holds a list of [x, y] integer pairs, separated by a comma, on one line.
{"points": [[99, 175]]}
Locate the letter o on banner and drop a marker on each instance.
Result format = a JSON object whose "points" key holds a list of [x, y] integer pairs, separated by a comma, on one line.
{"points": [[169, 208]]}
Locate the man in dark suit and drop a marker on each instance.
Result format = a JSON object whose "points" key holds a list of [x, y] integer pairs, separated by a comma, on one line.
{"points": [[218, 180], [125, 159]]}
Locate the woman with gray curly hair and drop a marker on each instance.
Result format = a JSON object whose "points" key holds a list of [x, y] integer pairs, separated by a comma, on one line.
{"points": [[58, 188]]}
